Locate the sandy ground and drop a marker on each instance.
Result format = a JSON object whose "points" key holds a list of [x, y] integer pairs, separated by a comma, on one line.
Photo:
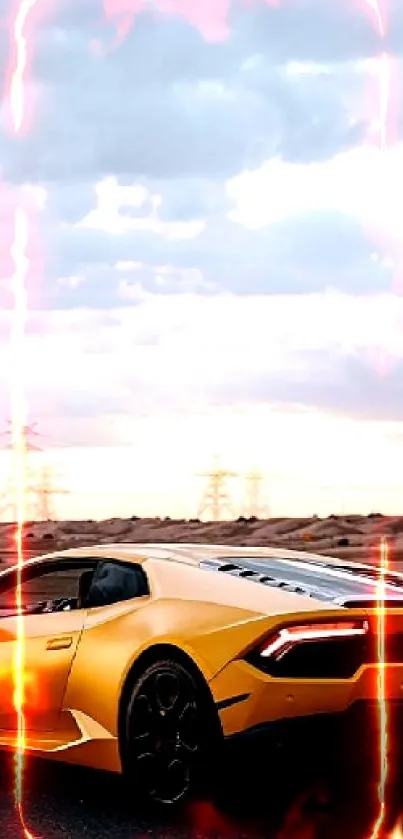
{"points": [[351, 537]]}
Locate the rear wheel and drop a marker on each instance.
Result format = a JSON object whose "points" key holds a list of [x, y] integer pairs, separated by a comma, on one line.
{"points": [[166, 734]]}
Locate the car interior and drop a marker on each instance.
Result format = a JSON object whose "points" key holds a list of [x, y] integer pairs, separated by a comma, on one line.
{"points": [[103, 584], [111, 582]]}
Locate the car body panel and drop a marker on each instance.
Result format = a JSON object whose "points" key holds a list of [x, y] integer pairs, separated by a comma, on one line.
{"points": [[202, 602], [247, 698], [49, 648]]}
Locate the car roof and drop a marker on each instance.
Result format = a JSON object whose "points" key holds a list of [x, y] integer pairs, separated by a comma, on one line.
{"points": [[299, 572], [188, 553]]}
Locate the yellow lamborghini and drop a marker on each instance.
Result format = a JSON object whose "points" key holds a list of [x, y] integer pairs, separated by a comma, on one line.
{"points": [[144, 659]]}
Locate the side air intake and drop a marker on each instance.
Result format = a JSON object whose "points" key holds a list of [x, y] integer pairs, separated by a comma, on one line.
{"points": [[256, 576], [339, 584]]}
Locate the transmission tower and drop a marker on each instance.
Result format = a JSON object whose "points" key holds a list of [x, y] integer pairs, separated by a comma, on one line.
{"points": [[39, 488], [9, 493], [28, 433], [44, 492], [253, 497], [215, 497]]}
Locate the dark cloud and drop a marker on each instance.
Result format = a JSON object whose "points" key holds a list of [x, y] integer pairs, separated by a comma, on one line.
{"points": [[168, 103], [301, 255], [352, 385], [182, 114]]}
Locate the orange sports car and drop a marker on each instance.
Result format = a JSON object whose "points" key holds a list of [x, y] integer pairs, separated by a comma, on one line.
{"points": [[144, 659]]}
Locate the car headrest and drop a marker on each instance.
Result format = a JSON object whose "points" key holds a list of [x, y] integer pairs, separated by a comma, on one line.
{"points": [[84, 586], [113, 583]]}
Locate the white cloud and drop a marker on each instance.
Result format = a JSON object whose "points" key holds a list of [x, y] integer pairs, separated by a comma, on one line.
{"points": [[184, 347], [133, 291], [128, 266], [166, 277], [363, 182], [71, 282], [114, 199], [308, 68]]}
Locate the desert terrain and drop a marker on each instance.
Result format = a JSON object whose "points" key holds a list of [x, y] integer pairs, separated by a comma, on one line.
{"points": [[350, 537]]}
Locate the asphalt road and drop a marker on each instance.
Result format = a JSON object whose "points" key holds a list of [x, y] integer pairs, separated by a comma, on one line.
{"points": [[65, 803]]}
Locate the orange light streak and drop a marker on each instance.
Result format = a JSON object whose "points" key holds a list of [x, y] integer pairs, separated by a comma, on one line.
{"points": [[19, 413], [381, 688], [19, 253], [383, 721]]}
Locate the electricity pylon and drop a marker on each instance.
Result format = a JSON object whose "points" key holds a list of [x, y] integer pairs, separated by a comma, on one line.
{"points": [[28, 433], [215, 496], [10, 490], [44, 492], [253, 506], [39, 489]]}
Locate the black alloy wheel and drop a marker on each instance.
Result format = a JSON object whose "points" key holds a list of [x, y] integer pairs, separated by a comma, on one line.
{"points": [[165, 735]]}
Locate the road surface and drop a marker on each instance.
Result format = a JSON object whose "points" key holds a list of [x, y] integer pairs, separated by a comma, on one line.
{"points": [[61, 802]]}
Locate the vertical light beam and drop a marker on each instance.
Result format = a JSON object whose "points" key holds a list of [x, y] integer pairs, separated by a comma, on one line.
{"points": [[19, 412], [384, 77], [381, 687], [17, 92], [19, 252]]}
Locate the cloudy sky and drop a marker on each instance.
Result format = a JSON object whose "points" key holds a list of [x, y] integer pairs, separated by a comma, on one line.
{"points": [[214, 192]]}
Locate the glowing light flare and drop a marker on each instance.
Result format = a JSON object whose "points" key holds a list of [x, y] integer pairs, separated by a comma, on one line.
{"points": [[204, 819], [384, 72], [30, 692], [384, 98], [16, 86], [375, 7], [27, 832], [301, 821], [16, 94], [19, 419], [384, 75], [381, 687]]}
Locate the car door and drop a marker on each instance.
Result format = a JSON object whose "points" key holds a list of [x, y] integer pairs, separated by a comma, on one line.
{"points": [[49, 644]]}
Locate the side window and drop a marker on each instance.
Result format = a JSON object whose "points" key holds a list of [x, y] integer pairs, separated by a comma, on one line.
{"points": [[55, 584], [114, 582], [44, 583]]}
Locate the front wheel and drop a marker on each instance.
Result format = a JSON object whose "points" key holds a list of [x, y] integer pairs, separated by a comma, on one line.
{"points": [[166, 734]]}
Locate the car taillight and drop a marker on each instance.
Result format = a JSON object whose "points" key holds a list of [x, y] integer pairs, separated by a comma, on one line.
{"points": [[285, 639]]}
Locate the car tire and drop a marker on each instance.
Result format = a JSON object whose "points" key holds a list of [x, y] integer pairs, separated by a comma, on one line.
{"points": [[167, 735]]}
